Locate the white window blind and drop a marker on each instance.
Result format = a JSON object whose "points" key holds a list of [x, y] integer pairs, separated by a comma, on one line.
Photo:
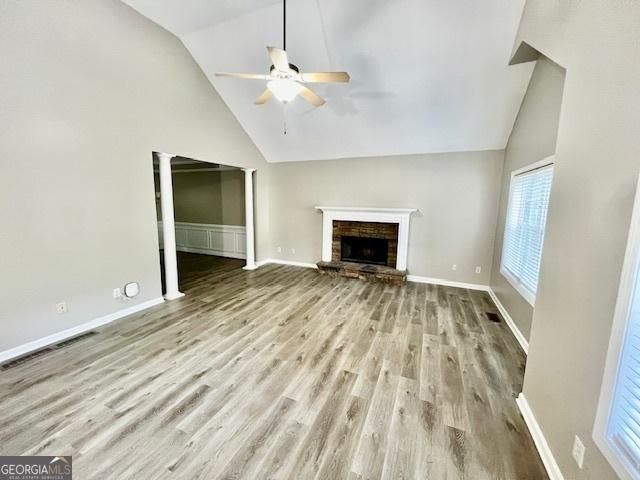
{"points": [[616, 430], [524, 228], [624, 420]]}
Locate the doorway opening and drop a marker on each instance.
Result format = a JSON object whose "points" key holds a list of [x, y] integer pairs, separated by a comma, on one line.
{"points": [[207, 230]]}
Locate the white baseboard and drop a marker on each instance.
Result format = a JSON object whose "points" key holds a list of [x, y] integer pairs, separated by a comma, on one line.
{"points": [[26, 348], [286, 262], [524, 343], [411, 278], [447, 283], [550, 464]]}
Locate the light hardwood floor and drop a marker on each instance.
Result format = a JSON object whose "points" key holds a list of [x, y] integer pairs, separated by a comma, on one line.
{"points": [[281, 373]]}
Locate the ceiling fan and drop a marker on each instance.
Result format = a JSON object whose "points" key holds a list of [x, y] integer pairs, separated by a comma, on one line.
{"points": [[284, 80]]}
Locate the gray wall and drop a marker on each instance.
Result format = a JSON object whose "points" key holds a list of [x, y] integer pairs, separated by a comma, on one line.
{"points": [[207, 197], [87, 91], [597, 165], [533, 138], [456, 193]]}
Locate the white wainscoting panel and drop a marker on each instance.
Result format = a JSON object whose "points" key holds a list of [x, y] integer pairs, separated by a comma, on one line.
{"points": [[209, 239], [196, 238]]}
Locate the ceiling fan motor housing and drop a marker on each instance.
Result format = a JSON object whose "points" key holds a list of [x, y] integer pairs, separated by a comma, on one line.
{"points": [[291, 66]]}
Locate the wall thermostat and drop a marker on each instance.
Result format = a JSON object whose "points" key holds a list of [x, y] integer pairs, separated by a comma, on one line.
{"points": [[131, 289]]}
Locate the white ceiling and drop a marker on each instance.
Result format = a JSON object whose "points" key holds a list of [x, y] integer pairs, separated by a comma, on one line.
{"points": [[427, 75]]}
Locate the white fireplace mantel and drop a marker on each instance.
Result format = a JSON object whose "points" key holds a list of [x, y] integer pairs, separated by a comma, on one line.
{"points": [[400, 216]]}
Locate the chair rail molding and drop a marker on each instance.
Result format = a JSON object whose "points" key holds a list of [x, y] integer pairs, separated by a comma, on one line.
{"points": [[209, 239], [401, 216]]}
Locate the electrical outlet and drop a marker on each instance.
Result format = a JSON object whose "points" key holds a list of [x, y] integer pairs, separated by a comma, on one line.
{"points": [[279, 249], [293, 250], [61, 307], [578, 451], [117, 293], [478, 269], [454, 267]]}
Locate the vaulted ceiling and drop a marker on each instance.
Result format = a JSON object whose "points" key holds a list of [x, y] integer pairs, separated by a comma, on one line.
{"points": [[427, 75]]}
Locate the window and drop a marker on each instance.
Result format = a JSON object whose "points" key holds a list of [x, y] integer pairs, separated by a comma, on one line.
{"points": [[617, 426], [524, 226]]}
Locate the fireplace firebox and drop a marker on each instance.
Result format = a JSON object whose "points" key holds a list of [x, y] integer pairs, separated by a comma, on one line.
{"points": [[373, 243], [364, 250]]}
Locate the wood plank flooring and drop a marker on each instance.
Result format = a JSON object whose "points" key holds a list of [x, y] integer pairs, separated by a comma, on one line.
{"points": [[281, 373]]}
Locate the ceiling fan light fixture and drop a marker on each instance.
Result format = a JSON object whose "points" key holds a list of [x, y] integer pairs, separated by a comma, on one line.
{"points": [[284, 89], [285, 82]]}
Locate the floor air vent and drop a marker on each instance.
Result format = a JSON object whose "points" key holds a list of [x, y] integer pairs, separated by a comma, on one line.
{"points": [[25, 358], [38, 353], [73, 340], [493, 317]]}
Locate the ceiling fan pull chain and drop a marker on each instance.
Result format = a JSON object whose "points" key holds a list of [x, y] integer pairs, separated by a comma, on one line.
{"points": [[284, 117]]}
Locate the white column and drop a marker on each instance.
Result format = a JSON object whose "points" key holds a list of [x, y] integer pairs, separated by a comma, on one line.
{"points": [[249, 221], [168, 228]]}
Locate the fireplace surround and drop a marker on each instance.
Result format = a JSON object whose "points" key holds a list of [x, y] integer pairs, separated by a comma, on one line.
{"points": [[364, 217]]}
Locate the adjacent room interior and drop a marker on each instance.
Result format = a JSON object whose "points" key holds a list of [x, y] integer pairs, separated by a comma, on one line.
{"points": [[315, 239], [209, 218]]}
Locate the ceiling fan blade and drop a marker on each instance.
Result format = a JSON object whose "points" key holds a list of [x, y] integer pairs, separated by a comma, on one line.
{"points": [[262, 99], [311, 97], [248, 76], [326, 77], [279, 58]]}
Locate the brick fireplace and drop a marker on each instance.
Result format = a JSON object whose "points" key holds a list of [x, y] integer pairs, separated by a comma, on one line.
{"points": [[366, 243]]}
